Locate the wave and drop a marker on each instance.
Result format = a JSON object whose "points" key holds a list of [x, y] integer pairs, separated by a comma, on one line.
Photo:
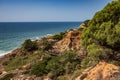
{"points": [[40, 37], [47, 35], [2, 53], [35, 38]]}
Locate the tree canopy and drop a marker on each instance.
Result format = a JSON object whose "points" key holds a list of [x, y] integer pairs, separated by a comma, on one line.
{"points": [[103, 30]]}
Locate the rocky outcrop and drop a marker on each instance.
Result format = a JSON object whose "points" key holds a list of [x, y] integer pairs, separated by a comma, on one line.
{"points": [[70, 42], [102, 71]]}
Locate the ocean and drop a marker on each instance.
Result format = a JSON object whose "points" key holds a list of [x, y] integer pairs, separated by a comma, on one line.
{"points": [[13, 34]]}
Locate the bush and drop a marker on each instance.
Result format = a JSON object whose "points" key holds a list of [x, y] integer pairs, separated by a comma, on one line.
{"points": [[115, 62], [26, 72], [8, 76], [47, 46], [95, 54], [14, 63], [86, 23], [76, 74], [39, 69], [19, 61], [86, 62], [29, 45], [80, 29], [61, 64], [55, 66], [59, 36]]}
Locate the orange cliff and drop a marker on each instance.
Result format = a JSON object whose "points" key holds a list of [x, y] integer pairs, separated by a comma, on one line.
{"points": [[102, 71]]}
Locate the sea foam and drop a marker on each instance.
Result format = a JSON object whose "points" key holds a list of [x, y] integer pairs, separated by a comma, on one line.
{"points": [[2, 53]]}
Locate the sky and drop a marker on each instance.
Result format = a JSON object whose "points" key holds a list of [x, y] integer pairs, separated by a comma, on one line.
{"points": [[49, 10]]}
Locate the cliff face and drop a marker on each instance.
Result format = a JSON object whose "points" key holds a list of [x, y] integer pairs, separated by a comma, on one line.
{"points": [[70, 42], [102, 71]]}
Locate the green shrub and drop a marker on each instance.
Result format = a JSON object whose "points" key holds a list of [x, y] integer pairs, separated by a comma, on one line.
{"points": [[76, 73], [39, 69], [80, 29], [86, 62], [59, 36], [96, 52], [19, 61], [14, 63], [47, 46], [86, 23], [116, 62], [71, 29], [55, 66], [70, 61], [69, 56], [26, 72], [8, 76], [64, 63], [29, 45]]}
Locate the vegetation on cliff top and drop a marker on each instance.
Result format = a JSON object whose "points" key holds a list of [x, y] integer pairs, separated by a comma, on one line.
{"points": [[102, 37], [29, 45]]}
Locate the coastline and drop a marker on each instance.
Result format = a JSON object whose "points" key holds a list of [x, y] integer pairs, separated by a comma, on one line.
{"points": [[4, 53], [37, 37]]}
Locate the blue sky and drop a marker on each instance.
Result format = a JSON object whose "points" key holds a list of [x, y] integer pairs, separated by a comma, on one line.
{"points": [[49, 10]]}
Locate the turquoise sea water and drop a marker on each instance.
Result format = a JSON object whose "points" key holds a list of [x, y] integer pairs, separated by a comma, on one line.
{"points": [[13, 34]]}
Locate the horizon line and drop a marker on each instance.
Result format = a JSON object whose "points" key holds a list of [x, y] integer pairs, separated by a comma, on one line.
{"points": [[39, 21]]}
